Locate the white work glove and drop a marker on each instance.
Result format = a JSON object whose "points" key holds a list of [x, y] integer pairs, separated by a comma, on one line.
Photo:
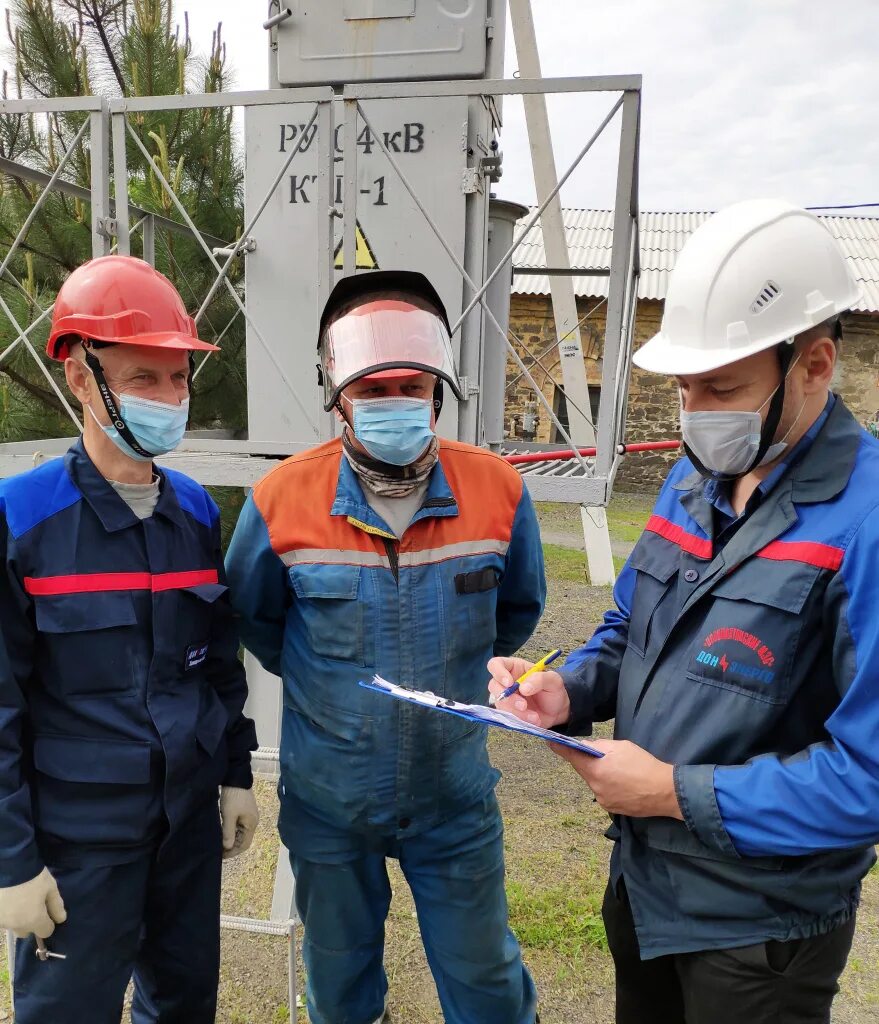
{"points": [[240, 816], [33, 907]]}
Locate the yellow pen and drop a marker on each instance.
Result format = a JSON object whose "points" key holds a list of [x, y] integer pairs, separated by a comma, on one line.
{"points": [[538, 667]]}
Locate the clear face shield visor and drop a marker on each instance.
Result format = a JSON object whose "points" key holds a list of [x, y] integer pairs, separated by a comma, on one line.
{"points": [[381, 335]]}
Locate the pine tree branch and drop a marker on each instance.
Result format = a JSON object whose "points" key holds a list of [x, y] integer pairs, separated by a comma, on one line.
{"points": [[33, 84], [48, 398], [25, 246], [45, 223], [175, 131], [97, 18]]}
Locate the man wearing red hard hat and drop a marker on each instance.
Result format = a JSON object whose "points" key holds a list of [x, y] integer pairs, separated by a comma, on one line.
{"points": [[121, 698]]}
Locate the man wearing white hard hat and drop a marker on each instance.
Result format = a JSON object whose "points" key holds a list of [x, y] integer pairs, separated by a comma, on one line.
{"points": [[740, 661]]}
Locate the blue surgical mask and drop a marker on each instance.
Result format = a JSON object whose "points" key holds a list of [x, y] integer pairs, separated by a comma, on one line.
{"points": [[158, 427], [393, 430]]}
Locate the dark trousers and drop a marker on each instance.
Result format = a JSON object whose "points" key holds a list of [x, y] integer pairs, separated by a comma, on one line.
{"points": [[156, 917], [769, 983]]}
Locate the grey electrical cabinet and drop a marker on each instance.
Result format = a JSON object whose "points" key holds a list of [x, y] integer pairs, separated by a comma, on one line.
{"points": [[335, 41]]}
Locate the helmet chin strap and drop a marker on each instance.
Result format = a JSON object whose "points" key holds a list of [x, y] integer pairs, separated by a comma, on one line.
{"points": [[110, 405], [437, 398], [770, 424]]}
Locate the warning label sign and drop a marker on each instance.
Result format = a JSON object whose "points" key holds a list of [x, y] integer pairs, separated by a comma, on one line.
{"points": [[364, 257]]}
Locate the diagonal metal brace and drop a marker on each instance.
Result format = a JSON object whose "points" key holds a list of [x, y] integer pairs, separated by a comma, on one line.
{"points": [[172, 195]]}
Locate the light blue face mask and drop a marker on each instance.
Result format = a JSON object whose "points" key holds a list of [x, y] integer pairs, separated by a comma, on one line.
{"points": [[393, 430], [158, 427]]}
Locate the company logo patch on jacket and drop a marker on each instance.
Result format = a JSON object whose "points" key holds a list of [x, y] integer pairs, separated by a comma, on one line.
{"points": [[195, 655], [760, 672]]}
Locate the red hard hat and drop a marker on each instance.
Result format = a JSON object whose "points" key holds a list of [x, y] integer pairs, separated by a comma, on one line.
{"points": [[393, 372], [122, 300]]}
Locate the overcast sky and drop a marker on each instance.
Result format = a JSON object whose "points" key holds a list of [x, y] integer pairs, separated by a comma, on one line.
{"points": [[741, 98]]}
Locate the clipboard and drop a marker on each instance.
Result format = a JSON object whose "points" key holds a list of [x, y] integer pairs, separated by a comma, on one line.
{"points": [[475, 713]]}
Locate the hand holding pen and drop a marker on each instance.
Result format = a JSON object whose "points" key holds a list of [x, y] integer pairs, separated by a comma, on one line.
{"points": [[531, 692], [539, 666]]}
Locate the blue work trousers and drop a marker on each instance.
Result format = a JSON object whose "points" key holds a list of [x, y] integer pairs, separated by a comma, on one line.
{"points": [[456, 874], [156, 917]]}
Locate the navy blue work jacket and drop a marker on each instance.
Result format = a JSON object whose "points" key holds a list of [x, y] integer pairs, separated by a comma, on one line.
{"points": [[121, 691], [752, 667]]}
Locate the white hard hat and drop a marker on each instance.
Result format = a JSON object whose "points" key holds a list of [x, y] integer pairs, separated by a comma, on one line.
{"points": [[755, 274]]}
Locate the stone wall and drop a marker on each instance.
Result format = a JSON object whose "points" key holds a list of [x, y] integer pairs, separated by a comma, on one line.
{"points": [[857, 374], [653, 398]]}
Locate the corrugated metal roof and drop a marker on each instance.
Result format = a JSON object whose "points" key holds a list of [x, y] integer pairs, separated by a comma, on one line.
{"points": [[662, 236]]}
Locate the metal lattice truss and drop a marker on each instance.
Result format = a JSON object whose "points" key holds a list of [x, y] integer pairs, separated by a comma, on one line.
{"points": [[242, 463]]}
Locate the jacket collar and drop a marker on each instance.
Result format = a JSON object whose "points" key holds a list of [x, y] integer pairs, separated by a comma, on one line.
{"points": [[108, 506], [826, 468], [821, 473], [351, 501]]}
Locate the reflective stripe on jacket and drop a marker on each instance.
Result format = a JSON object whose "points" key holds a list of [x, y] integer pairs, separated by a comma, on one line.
{"points": [[121, 692], [754, 670], [328, 596]]}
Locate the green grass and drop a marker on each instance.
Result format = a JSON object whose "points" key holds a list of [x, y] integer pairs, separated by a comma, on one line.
{"points": [[573, 821], [556, 918], [564, 563], [569, 564], [627, 516]]}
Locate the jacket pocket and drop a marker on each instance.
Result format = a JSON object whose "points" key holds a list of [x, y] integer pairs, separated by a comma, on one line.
{"points": [[711, 886], [90, 790], [457, 729], [328, 761], [465, 773], [750, 637], [194, 609], [328, 606], [469, 607], [654, 579], [672, 836], [91, 644]]}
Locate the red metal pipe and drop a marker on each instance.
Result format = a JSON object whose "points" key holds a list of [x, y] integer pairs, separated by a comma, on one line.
{"points": [[649, 446], [567, 453]]}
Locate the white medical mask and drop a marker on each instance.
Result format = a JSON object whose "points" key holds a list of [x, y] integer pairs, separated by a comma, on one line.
{"points": [[726, 442]]}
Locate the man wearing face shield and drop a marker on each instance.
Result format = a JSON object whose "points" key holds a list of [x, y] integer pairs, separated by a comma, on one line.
{"points": [[391, 551], [740, 661], [121, 696]]}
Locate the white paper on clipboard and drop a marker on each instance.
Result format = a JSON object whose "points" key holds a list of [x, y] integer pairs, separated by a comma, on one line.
{"points": [[475, 712]]}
